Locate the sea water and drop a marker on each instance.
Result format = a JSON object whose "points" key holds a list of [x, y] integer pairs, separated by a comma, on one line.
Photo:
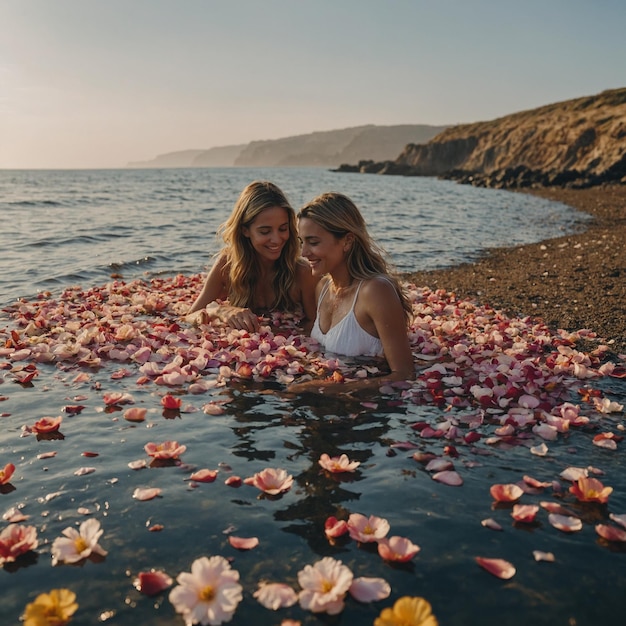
{"points": [[77, 228], [65, 227]]}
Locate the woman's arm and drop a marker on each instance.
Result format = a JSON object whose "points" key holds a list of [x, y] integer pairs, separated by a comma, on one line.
{"points": [[205, 308], [379, 302], [214, 286]]}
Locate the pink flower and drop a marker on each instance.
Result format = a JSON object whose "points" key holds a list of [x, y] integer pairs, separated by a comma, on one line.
{"points": [[591, 490], [209, 594], [275, 596], [47, 424], [334, 527], [78, 544], [153, 582], [6, 473], [15, 540], [271, 481], [399, 549], [367, 529], [165, 450], [324, 586], [337, 464]]}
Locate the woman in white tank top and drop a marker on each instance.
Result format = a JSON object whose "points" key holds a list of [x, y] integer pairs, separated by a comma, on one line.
{"points": [[361, 309]]}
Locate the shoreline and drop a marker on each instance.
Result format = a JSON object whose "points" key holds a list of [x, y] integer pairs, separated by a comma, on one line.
{"points": [[571, 282]]}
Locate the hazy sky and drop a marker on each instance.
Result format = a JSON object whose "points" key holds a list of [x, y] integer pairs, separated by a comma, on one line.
{"points": [[99, 83]]}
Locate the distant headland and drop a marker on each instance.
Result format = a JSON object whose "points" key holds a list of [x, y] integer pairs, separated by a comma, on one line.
{"points": [[319, 149]]}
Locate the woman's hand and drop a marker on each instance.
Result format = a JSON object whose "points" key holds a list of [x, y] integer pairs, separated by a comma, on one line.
{"points": [[238, 317], [233, 316], [198, 317]]}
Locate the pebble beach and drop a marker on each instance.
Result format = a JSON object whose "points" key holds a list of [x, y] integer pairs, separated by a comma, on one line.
{"points": [[571, 282]]}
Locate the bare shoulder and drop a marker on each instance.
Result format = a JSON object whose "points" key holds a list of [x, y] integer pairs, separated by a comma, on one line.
{"points": [[379, 287]]}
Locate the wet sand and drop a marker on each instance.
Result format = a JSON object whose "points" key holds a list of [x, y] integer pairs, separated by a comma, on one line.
{"points": [[571, 282]]}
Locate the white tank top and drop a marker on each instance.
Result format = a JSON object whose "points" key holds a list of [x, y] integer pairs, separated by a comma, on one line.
{"points": [[347, 336]]}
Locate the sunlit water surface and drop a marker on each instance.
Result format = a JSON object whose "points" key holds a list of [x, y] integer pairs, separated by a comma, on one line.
{"points": [[64, 228]]}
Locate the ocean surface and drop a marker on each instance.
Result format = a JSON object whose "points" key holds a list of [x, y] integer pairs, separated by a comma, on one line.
{"points": [[78, 342], [64, 227]]}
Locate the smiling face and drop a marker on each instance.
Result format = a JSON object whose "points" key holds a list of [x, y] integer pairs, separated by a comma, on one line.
{"points": [[324, 251], [268, 233]]}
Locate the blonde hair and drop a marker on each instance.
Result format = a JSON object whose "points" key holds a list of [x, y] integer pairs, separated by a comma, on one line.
{"points": [[241, 258], [365, 259]]}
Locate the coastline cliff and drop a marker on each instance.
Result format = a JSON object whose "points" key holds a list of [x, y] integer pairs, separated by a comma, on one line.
{"points": [[577, 143]]}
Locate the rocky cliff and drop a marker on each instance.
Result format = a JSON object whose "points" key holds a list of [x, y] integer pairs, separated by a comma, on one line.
{"points": [[579, 143]]}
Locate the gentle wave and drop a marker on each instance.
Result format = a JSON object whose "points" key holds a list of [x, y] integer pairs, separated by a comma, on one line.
{"points": [[81, 225]]}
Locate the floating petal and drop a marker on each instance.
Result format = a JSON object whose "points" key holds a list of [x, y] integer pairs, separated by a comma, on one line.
{"points": [[369, 589], [611, 533], [565, 523], [498, 567], [243, 543], [147, 493], [153, 582], [448, 477]]}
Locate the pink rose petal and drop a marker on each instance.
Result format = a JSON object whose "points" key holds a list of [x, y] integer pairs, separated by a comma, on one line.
{"points": [[243, 543], [565, 523], [153, 582], [498, 567], [204, 476], [524, 513], [147, 493], [135, 414], [491, 524], [275, 596], [619, 519], [611, 533], [83, 471], [369, 589], [543, 556], [448, 477], [506, 493]]}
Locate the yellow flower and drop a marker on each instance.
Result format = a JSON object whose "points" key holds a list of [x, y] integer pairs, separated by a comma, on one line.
{"points": [[51, 609], [407, 611]]}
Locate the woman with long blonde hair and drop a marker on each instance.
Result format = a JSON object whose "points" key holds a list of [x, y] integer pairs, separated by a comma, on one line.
{"points": [[259, 270], [361, 308]]}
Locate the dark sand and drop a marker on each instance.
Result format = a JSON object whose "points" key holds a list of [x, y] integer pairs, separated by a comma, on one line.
{"points": [[572, 282]]}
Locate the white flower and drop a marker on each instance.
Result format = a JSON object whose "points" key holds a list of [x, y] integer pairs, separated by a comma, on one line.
{"points": [[324, 586], [209, 594], [78, 544]]}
